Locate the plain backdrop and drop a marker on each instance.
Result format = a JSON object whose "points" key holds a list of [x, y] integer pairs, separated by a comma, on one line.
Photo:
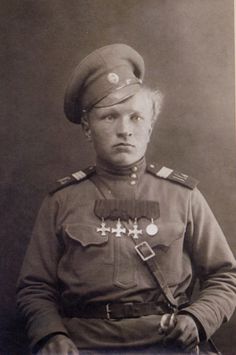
{"points": [[188, 48]]}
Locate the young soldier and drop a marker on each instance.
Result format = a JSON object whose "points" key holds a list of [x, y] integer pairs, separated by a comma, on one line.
{"points": [[117, 248]]}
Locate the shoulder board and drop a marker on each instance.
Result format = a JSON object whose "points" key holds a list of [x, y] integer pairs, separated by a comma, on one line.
{"points": [[73, 179], [172, 175]]}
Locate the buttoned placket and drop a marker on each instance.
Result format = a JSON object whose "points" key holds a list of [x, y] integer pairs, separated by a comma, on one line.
{"points": [[123, 186]]}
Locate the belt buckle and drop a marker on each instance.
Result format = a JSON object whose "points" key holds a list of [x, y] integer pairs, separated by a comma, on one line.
{"points": [[144, 257], [108, 311]]}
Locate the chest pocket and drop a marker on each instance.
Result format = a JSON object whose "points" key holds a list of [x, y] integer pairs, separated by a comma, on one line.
{"points": [[87, 251], [85, 245], [168, 245]]}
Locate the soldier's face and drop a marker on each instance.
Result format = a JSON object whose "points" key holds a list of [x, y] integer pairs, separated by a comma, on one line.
{"points": [[121, 133]]}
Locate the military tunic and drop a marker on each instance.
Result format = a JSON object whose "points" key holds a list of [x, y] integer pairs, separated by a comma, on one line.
{"points": [[69, 262]]}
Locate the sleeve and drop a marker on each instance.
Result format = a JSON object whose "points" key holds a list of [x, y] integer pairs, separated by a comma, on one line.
{"points": [[38, 287], [215, 266]]}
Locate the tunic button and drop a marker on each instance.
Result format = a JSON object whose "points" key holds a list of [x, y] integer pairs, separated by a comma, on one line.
{"points": [[134, 168], [133, 182], [134, 176], [152, 166]]}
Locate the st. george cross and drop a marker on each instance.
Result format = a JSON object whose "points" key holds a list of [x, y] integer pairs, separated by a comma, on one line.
{"points": [[103, 229], [118, 230], [135, 231]]}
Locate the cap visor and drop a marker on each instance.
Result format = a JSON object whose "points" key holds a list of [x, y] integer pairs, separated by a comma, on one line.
{"points": [[119, 95]]}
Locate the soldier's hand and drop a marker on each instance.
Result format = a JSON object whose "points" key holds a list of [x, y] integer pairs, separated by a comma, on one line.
{"points": [[59, 345], [184, 333]]}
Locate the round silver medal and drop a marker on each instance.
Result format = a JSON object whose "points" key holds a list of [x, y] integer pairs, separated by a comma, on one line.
{"points": [[152, 229]]}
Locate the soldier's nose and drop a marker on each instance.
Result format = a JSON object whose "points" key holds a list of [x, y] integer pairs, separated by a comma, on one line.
{"points": [[124, 128]]}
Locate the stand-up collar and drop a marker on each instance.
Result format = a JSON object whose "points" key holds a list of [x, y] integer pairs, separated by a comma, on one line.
{"points": [[131, 172]]}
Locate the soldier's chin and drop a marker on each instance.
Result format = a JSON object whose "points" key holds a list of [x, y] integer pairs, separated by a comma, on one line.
{"points": [[125, 159]]}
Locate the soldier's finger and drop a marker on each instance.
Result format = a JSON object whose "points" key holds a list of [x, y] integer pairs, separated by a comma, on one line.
{"points": [[173, 335], [191, 345]]}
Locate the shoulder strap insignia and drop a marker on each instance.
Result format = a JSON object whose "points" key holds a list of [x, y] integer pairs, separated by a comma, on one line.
{"points": [[73, 179], [172, 175]]}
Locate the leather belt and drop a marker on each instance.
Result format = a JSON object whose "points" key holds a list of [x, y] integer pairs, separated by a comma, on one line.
{"points": [[118, 310]]}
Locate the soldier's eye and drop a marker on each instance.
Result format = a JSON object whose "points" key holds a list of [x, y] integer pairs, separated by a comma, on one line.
{"points": [[137, 118], [109, 118]]}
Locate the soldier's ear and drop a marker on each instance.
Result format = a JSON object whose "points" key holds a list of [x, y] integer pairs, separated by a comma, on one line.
{"points": [[151, 127], [86, 128], [88, 135], [152, 124]]}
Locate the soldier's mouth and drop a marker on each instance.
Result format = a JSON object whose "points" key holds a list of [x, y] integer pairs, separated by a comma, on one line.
{"points": [[123, 145]]}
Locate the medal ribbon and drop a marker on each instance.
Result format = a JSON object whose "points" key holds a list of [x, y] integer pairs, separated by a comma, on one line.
{"points": [[126, 209]]}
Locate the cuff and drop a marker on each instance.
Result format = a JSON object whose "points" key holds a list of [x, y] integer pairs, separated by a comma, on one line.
{"points": [[43, 326], [44, 340]]}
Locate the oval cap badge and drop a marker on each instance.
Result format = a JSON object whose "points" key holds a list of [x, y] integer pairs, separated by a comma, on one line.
{"points": [[113, 78]]}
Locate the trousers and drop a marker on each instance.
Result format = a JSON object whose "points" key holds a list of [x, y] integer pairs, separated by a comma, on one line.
{"points": [[204, 349]]}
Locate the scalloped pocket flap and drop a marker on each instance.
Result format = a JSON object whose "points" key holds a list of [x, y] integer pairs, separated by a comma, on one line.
{"points": [[167, 234], [85, 234]]}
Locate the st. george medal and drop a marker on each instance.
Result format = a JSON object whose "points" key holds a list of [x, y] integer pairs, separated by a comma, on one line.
{"points": [[135, 231], [103, 229], [119, 229]]}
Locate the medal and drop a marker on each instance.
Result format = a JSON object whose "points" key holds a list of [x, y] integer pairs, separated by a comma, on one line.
{"points": [[135, 231], [103, 229], [118, 230], [152, 228], [125, 210]]}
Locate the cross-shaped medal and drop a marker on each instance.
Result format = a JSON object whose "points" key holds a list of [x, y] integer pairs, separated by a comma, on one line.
{"points": [[103, 229], [135, 231], [118, 230]]}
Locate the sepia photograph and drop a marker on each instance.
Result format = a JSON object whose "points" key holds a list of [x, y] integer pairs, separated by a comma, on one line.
{"points": [[118, 177]]}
